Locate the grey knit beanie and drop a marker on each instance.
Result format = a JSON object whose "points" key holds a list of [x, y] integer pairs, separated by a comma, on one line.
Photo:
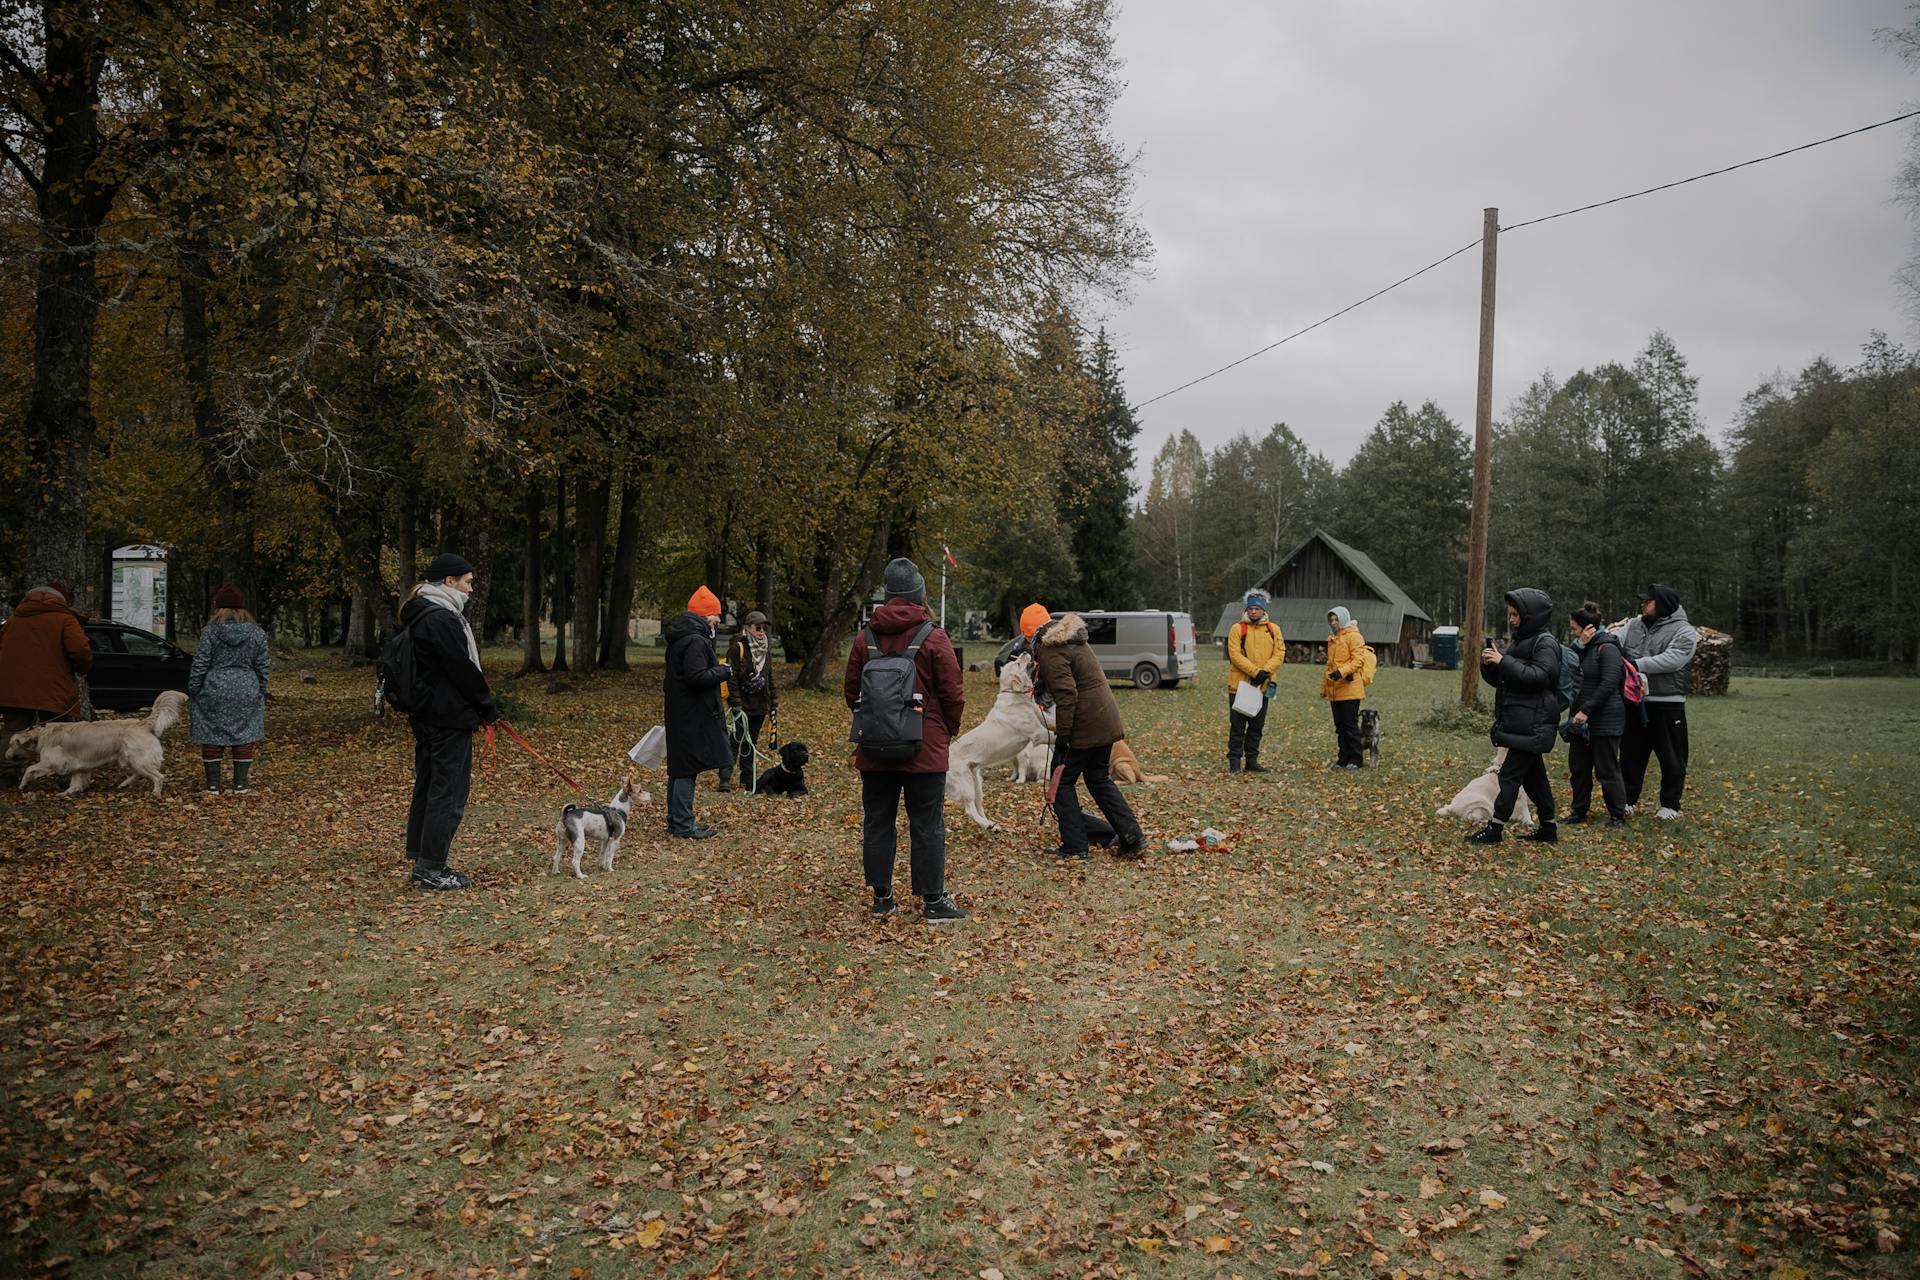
{"points": [[904, 582]]}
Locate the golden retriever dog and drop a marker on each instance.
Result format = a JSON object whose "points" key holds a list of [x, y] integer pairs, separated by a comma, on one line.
{"points": [[1124, 765], [76, 750]]}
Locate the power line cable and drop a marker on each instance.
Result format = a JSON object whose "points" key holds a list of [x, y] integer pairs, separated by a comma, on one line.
{"points": [[1531, 222]]}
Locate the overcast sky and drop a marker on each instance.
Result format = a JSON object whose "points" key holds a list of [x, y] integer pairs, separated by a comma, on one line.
{"points": [[1296, 156]]}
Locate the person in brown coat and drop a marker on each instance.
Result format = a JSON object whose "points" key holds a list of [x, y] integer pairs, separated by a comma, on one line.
{"points": [[42, 648], [1086, 724]]}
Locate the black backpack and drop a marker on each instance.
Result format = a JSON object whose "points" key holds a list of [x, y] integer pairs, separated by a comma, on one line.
{"points": [[398, 674], [891, 714]]}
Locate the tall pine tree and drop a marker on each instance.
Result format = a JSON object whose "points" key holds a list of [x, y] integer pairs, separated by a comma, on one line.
{"points": [[1100, 475]]}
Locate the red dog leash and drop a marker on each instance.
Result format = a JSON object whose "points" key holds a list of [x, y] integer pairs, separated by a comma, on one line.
{"points": [[493, 753]]}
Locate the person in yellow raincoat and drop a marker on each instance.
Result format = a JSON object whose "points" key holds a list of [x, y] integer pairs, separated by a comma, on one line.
{"points": [[1342, 685], [1255, 651]]}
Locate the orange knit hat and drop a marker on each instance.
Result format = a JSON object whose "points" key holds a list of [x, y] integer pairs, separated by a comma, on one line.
{"points": [[704, 603], [1032, 618]]}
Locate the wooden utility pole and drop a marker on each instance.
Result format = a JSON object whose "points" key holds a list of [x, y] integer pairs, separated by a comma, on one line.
{"points": [[1473, 621]]}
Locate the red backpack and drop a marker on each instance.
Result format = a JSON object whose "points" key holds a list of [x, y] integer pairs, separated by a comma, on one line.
{"points": [[1633, 685]]}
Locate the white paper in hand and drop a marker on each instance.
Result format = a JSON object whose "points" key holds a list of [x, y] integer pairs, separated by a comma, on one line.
{"points": [[1247, 699], [651, 749]]}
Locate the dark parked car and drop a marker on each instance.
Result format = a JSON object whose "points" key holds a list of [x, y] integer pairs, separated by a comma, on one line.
{"points": [[132, 667]]}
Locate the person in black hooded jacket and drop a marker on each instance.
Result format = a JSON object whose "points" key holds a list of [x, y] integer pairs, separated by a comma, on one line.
{"points": [[1526, 712], [457, 701], [1599, 718], [696, 730]]}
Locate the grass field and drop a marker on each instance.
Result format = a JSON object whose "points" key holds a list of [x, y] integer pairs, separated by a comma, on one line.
{"points": [[235, 1043]]}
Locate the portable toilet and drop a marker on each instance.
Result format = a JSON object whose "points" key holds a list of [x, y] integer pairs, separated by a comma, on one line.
{"points": [[1446, 648], [140, 586]]}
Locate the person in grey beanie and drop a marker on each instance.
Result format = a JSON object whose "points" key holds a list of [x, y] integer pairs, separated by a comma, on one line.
{"points": [[902, 625]]}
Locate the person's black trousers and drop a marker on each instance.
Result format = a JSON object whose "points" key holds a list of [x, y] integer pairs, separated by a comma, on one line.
{"points": [[880, 793], [1598, 757], [1091, 764], [1346, 729], [1244, 732], [743, 749], [1524, 769], [442, 774], [1664, 735]]}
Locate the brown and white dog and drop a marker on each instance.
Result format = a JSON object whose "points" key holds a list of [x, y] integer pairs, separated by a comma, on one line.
{"points": [[76, 750]]}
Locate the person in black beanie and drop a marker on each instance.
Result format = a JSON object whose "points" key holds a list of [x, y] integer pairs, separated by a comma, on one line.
{"points": [[1526, 712], [455, 701], [1599, 718]]}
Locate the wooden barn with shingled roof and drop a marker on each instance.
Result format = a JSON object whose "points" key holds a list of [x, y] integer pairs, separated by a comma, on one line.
{"points": [[1323, 572]]}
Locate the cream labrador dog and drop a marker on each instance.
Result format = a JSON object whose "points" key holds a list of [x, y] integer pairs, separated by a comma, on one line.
{"points": [[76, 750], [1013, 724], [1474, 802]]}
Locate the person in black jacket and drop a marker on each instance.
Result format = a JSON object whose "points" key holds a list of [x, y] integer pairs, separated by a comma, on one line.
{"points": [[750, 691], [696, 733], [1526, 712], [1599, 718], [457, 701]]}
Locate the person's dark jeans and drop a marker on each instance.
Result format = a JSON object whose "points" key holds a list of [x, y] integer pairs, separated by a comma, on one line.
{"points": [[1346, 730], [1090, 763], [1244, 732], [1600, 758], [1665, 736], [442, 776], [680, 806], [743, 749], [1523, 769], [880, 793]]}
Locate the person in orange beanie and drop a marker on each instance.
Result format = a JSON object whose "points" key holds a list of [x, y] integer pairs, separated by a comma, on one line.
{"points": [[696, 731]]}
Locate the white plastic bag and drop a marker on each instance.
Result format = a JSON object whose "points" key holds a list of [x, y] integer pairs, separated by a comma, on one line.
{"points": [[651, 749], [1247, 699]]}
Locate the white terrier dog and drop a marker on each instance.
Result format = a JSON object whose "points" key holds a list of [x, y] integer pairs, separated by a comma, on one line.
{"points": [[604, 822]]}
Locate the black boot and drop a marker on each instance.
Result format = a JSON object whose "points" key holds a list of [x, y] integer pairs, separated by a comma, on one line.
{"points": [[213, 774], [1254, 765], [1545, 833], [1233, 764], [1489, 834], [241, 768]]}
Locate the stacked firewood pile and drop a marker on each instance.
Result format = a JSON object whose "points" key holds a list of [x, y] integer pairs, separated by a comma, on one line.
{"points": [[1712, 661]]}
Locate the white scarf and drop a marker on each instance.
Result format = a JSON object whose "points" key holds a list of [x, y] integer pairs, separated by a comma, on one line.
{"points": [[757, 647], [447, 598]]}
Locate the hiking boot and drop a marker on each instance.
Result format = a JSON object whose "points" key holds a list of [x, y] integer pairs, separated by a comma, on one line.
{"points": [[1489, 834], [1545, 833], [1573, 819], [1335, 767], [699, 832], [1134, 847], [1616, 824], [1058, 852], [1254, 765], [883, 905], [439, 878], [1233, 764], [726, 784], [941, 910]]}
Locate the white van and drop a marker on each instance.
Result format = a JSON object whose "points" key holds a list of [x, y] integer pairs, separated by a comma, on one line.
{"points": [[1150, 648]]}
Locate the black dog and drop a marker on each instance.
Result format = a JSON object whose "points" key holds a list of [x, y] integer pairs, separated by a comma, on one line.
{"points": [[1370, 734], [786, 778]]}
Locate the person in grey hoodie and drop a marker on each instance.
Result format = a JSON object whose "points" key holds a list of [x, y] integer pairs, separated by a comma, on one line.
{"points": [[228, 687], [1661, 643]]}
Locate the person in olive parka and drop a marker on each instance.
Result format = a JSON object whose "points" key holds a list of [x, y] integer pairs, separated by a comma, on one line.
{"points": [[1526, 712]]}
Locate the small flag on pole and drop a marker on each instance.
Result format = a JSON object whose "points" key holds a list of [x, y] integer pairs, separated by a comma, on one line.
{"points": [[949, 556]]}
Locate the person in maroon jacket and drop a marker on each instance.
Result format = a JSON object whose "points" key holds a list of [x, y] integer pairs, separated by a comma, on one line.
{"points": [[923, 779]]}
